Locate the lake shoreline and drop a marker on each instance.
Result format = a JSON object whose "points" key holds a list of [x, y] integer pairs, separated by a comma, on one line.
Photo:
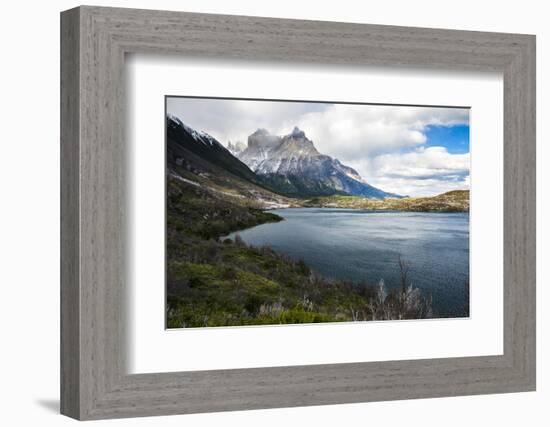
{"points": [[382, 254], [451, 201]]}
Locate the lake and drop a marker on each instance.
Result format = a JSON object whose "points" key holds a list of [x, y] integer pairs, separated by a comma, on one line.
{"points": [[364, 246]]}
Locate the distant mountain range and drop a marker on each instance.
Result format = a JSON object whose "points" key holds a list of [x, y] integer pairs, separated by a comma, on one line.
{"points": [[288, 165]]}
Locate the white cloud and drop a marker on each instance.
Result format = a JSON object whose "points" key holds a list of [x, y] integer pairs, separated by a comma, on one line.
{"points": [[352, 131], [235, 120], [423, 172]]}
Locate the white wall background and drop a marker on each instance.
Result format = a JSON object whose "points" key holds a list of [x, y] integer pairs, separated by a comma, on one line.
{"points": [[29, 212]]}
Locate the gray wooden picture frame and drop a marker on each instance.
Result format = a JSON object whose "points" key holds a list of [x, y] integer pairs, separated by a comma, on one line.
{"points": [[94, 41]]}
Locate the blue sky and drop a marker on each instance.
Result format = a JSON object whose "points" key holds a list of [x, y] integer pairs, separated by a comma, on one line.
{"points": [[414, 151], [456, 139]]}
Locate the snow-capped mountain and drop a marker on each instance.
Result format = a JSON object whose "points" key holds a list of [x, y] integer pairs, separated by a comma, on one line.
{"points": [[292, 164], [199, 136]]}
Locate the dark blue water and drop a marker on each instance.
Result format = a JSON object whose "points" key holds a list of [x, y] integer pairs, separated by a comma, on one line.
{"points": [[364, 246]]}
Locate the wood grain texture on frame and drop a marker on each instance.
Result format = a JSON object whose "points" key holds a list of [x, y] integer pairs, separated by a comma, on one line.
{"points": [[94, 41]]}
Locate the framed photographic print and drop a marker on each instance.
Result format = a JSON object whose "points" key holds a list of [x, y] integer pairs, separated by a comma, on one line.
{"points": [[295, 235], [294, 213]]}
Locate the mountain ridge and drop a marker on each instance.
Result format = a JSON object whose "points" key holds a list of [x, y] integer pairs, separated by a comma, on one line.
{"points": [[199, 160], [288, 166]]}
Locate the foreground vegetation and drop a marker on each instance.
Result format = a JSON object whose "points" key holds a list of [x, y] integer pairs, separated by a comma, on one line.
{"points": [[452, 201], [212, 281]]}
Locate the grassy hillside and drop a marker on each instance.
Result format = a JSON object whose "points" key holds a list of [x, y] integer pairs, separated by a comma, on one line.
{"points": [[213, 281], [205, 213], [452, 201]]}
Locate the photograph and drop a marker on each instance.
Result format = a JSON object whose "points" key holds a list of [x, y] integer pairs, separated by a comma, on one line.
{"points": [[293, 212]]}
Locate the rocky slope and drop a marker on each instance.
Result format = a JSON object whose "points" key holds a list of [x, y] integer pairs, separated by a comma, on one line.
{"points": [[197, 159]]}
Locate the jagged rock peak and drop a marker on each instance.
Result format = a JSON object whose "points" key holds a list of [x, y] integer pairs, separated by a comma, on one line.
{"points": [[262, 138], [297, 133], [261, 132], [293, 160]]}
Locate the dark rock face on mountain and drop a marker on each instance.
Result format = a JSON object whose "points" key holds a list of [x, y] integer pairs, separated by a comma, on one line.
{"points": [[186, 145], [292, 165]]}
